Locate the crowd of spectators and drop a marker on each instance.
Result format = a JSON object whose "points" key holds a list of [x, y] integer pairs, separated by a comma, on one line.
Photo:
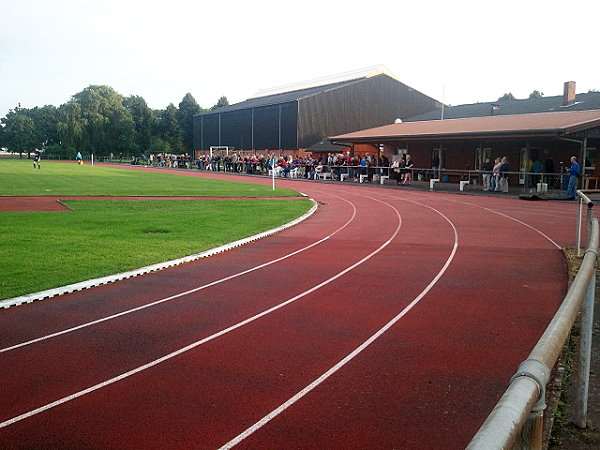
{"points": [[334, 166], [283, 165], [288, 165], [262, 164]]}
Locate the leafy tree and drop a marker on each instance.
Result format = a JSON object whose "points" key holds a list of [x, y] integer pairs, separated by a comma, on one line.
{"points": [[143, 121], [45, 119], [168, 129], [101, 121], [2, 136], [158, 145], [536, 94], [188, 108], [98, 121], [220, 103], [71, 124], [19, 131], [507, 96]]}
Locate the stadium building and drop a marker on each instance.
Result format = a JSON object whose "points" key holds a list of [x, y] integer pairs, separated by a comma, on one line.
{"points": [[298, 117], [547, 130]]}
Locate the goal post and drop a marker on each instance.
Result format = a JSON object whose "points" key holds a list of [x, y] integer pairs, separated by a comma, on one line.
{"points": [[221, 150]]}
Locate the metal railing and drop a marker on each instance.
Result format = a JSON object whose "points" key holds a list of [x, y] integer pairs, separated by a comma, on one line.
{"points": [[516, 421], [581, 199], [527, 182]]}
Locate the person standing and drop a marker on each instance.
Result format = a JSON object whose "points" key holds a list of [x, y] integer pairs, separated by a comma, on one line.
{"points": [[435, 164], [496, 175], [79, 158], [399, 166], [486, 168], [407, 171], [574, 174], [537, 169], [37, 159]]}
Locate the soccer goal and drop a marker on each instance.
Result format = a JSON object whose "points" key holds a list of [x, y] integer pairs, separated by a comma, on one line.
{"points": [[221, 150]]}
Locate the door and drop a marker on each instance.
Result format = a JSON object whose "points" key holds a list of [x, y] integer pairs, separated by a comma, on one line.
{"points": [[523, 164]]}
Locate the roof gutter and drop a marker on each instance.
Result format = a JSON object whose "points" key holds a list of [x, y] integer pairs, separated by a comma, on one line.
{"points": [[339, 143], [498, 134]]}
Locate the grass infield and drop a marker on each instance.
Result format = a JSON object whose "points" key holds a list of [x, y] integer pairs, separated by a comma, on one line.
{"points": [[42, 250], [17, 177]]}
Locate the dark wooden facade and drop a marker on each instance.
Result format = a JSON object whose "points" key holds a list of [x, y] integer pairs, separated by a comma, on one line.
{"points": [[297, 120], [463, 144], [469, 154]]}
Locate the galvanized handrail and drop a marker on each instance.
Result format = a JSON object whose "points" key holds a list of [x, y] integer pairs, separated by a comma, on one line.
{"points": [[582, 198], [517, 419]]}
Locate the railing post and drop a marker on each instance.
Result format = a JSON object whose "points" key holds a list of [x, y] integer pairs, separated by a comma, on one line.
{"points": [[585, 353], [531, 437], [581, 198], [588, 227], [579, 207]]}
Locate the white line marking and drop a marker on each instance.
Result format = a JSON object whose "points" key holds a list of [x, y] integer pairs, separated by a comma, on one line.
{"points": [[545, 236], [519, 221], [206, 339], [87, 284], [266, 419], [181, 294]]}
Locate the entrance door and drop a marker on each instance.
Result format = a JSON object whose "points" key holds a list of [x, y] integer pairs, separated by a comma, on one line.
{"points": [[481, 155], [438, 157], [523, 164]]}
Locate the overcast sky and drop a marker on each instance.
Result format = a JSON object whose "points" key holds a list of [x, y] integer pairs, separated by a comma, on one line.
{"points": [[455, 51]]}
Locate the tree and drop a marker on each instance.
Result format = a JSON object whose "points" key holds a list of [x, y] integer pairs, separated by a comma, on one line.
{"points": [[71, 125], [45, 119], [2, 136], [220, 103], [188, 108], [507, 96], [536, 94], [98, 120], [19, 131], [168, 130], [143, 121]]}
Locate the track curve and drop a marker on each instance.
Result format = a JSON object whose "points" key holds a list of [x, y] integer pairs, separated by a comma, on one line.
{"points": [[456, 290]]}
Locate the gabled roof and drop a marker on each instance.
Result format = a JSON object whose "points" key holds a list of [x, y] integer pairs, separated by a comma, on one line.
{"points": [[589, 101], [297, 91], [516, 125], [277, 99], [366, 72]]}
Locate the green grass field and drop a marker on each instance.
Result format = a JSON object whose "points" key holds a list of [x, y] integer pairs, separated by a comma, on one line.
{"points": [[17, 177], [41, 250]]}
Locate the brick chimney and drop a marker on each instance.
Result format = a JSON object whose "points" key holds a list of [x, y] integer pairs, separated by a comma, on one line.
{"points": [[569, 93]]}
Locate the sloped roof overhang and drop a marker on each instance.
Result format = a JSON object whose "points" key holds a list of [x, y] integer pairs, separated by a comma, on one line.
{"points": [[538, 125]]}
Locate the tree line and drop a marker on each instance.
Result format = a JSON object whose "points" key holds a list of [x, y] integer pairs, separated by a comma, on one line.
{"points": [[101, 121]]}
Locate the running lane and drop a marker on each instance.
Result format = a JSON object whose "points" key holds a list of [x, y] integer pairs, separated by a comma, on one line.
{"points": [[397, 326]]}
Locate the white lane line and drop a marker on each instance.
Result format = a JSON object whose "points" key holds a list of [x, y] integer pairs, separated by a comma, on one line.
{"points": [[266, 419], [188, 292], [95, 282], [541, 233], [204, 340], [544, 235]]}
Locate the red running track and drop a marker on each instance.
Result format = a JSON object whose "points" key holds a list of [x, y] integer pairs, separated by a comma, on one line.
{"points": [[389, 319]]}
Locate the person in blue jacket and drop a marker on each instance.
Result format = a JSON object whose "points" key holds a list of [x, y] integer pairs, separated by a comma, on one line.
{"points": [[574, 174]]}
